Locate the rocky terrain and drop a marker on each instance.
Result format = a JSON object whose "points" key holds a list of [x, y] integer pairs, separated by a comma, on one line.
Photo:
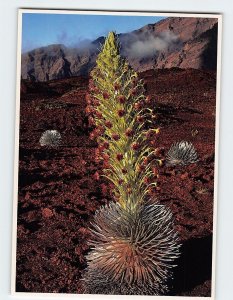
{"points": [[172, 42], [59, 190]]}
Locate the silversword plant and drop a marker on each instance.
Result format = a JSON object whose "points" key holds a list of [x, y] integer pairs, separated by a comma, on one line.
{"points": [[134, 243], [182, 153], [50, 138]]}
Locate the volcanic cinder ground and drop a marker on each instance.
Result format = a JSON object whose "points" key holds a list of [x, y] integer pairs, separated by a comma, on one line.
{"points": [[59, 193]]}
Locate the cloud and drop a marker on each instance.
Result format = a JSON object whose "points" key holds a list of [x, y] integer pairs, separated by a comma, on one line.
{"points": [[75, 42], [146, 44], [62, 38], [138, 44]]}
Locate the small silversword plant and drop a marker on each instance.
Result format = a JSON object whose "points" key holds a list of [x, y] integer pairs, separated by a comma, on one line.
{"points": [[50, 138], [181, 153]]}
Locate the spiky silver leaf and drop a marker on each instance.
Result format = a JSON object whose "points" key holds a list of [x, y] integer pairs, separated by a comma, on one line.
{"points": [[182, 153], [133, 253], [50, 138]]}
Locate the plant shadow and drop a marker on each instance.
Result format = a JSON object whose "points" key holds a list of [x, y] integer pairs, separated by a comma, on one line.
{"points": [[194, 266]]}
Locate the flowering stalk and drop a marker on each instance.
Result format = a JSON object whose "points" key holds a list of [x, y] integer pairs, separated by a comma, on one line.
{"points": [[117, 105]]}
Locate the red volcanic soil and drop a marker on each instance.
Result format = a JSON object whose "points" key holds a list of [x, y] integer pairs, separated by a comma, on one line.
{"points": [[59, 191]]}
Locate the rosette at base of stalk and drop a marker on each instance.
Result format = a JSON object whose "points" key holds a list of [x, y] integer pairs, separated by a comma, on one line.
{"points": [[133, 252]]}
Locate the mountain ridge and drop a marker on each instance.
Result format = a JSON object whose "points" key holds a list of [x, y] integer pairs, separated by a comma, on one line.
{"points": [[173, 42]]}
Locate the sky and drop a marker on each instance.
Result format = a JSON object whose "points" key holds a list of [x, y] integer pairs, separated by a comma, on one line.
{"points": [[41, 29]]}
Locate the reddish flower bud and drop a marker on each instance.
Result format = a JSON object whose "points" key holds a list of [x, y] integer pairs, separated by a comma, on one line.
{"points": [[104, 189], [92, 136], [106, 165], [100, 129], [145, 161], [89, 109], [129, 191], [152, 133], [119, 156], [149, 133], [155, 171], [94, 89], [105, 95], [111, 186], [96, 176], [98, 159], [140, 168], [146, 180], [108, 124], [98, 114], [135, 82], [121, 99], [135, 146], [105, 156], [115, 136], [153, 143], [105, 144], [157, 151], [133, 92], [95, 133], [88, 99], [137, 106], [129, 132], [148, 99], [97, 151], [126, 68], [101, 148], [116, 86], [124, 171], [154, 117], [91, 121], [96, 102], [151, 190], [140, 119], [121, 112]]}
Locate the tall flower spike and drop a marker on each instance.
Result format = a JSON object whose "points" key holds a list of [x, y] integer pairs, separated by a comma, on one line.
{"points": [[120, 94], [133, 243]]}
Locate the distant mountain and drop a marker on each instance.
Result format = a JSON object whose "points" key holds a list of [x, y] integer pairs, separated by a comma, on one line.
{"points": [[172, 42]]}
